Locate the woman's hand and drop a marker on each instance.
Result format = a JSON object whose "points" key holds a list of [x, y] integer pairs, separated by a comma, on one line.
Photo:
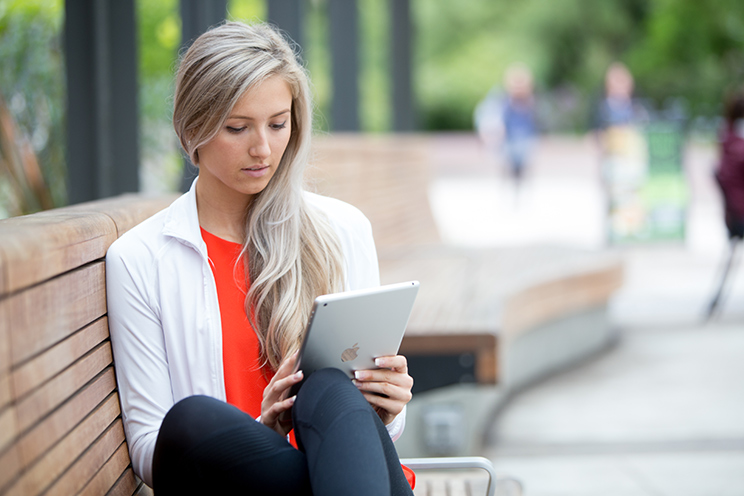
{"points": [[388, 388], [275, 405]]}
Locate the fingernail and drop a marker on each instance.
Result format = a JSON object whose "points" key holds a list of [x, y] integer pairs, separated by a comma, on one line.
{"points": [[378, 362], [356, 383], [358, 374], [298, 374], [292, 399]]}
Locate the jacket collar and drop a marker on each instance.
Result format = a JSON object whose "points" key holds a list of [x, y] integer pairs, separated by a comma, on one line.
{"points": [[182, 220]]}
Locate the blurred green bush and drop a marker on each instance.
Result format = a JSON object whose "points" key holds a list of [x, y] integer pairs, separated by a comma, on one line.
{"points": [[684, 54], [32, 82]]}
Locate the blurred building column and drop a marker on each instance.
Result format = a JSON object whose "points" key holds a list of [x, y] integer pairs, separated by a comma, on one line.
{"points": [[102, 111], [402, 67], [343, 20], [288, 16], [197, 16]]}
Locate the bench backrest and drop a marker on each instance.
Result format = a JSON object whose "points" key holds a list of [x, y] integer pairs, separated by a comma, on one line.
{"points": [[60, 421], [387, 177]]}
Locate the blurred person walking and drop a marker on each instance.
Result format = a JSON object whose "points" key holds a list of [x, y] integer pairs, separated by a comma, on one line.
{"points": [[520, 123], [507, 123], [730, 173]]}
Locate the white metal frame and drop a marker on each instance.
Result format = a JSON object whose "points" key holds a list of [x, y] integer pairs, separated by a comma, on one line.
{"points": [[455, 463]]}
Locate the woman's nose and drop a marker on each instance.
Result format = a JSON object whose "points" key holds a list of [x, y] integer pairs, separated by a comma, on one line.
{"points": [[260, 146]]}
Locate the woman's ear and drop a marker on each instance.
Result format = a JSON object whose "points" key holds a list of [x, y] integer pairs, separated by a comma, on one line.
{"points": [[193, 155]]}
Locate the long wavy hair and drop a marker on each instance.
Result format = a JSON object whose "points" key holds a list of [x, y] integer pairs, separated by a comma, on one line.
{"points": [[291, 253]]}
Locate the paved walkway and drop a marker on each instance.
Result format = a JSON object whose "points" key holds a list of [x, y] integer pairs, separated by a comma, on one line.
{"points": [[662, 412]]}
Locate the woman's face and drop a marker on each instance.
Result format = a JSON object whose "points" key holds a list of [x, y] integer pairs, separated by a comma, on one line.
{"points": [[242, 158]]}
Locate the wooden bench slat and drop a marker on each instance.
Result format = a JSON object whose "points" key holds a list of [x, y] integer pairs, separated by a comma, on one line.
{"points": [[5, 392], [109, 474], [57, 358], [3, 277], [126, 211], [38, 247], [125, 486], [43, 400], [54, 463], [92, 470], [8, 426], [6, 395], [563, 296], [53, 428], [46, 314], [10, 466]]}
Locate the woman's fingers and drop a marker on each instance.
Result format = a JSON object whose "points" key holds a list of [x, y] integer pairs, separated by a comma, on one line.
{"points": [[387, 389], [398, 363], [283, 379], [390, 407], [278, 408], [275, 403], [286, 368], [283, 385]]}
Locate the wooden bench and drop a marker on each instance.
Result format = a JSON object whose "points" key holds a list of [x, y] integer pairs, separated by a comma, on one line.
{"points": [[512, 315], [60, 420]]}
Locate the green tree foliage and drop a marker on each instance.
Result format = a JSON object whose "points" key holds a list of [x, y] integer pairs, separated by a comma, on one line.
{"points": [[686, 50], [691, 49]]}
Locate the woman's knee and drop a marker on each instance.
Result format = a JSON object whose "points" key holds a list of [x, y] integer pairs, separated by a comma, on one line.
{"points": [[320, 382], [329, 391], [192, 419]]}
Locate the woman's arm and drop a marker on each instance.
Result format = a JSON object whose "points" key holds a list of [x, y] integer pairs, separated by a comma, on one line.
{"points": [[140, 356]]}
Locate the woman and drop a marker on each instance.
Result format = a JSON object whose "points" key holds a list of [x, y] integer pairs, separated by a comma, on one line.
{"points": [[209, 298]]}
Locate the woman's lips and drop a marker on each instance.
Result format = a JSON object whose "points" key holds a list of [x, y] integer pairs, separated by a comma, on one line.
{"points": [[256, 170]]}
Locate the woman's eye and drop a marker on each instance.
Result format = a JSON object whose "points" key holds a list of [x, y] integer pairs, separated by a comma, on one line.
{"points": [[279, 126], [231, 129]]}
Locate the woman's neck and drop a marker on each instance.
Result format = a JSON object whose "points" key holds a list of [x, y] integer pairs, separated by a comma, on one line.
{"points": [[221, 216]]}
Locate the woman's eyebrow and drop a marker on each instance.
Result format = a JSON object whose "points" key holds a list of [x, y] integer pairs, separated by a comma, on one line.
{"points": [[245, 117]]}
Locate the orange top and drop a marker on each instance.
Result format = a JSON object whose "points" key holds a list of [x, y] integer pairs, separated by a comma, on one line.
{"points": [[245, 381]]}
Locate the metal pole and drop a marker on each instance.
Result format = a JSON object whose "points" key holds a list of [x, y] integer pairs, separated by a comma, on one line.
{"points": [[102, 110], [343, 17], [197, 16], [403, 104], [287, 15]]}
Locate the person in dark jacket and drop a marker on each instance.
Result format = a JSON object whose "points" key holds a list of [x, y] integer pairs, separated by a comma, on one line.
{"points": [[730, 172]]}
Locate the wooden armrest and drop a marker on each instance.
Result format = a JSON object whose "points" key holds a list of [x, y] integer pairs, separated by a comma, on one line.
{"points": [[455, 463]]}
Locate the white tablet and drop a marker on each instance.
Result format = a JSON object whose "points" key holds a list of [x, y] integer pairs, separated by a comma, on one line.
{"points": [[349, 330]]}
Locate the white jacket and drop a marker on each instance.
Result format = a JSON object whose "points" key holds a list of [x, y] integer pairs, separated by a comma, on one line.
{"points": [[164, 315]]}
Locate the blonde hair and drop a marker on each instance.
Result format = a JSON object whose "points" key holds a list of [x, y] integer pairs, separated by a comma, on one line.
{"points": [[291, 253]]}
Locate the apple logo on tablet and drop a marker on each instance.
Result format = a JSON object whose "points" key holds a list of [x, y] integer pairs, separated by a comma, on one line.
{"points": [[350, 353]]}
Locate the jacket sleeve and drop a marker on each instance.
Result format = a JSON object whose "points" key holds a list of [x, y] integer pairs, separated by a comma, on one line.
{"points": [[138, 343]]}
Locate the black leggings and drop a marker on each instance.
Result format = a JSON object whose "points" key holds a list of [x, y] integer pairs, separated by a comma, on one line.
{"points": [[206, 446]]}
